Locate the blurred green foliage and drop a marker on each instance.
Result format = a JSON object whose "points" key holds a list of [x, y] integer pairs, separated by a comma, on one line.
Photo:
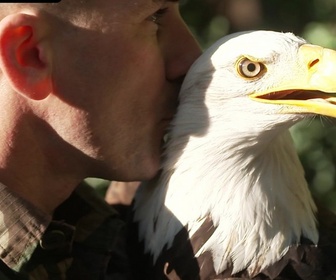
{"points": [[314, 20]]}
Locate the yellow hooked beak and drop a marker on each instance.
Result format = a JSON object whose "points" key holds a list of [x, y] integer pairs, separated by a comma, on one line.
{"points": [[311, 86]]}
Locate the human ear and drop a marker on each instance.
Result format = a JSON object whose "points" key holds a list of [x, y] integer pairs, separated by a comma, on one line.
{"points": [[24, 55]]}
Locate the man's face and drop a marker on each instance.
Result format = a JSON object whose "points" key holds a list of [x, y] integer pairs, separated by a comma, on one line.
{"points": [[119, 73]]}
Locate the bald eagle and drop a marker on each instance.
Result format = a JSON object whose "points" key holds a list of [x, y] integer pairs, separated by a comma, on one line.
{"points": [[231, 201]]}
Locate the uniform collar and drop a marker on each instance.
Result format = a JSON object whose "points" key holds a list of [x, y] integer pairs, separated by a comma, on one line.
{"points": [[22, 226]]}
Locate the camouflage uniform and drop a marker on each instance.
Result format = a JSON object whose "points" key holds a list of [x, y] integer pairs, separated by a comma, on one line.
{"points": [[83, 240]]}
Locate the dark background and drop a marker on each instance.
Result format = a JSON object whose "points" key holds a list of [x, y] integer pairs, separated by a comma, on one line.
{"points": [[314, 20]]}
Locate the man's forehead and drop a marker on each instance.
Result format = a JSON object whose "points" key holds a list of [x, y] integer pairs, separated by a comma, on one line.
{"points": [[151, 1], [162, 1], [141, 7], [143, 3]]}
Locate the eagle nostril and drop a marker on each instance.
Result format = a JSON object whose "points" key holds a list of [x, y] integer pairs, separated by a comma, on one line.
{"points": [[313, 63]]}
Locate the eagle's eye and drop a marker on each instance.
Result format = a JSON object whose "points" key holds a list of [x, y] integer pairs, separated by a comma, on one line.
{"points": [[250, 69]]}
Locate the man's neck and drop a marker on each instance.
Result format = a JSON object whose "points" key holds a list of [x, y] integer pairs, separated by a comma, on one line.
{"points": [[40, 169]]}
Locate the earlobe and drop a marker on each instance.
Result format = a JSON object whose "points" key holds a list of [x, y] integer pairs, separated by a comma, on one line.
{"points": [[23, 55]]}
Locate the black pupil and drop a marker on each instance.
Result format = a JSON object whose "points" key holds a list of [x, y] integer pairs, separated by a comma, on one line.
{"points": [[251, 67]]}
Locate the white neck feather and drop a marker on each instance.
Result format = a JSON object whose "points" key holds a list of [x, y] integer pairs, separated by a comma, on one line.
{"points": [[254, 190]]}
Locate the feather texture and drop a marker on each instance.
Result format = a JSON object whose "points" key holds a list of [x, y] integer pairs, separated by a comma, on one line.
{"points": [[231, 183]]}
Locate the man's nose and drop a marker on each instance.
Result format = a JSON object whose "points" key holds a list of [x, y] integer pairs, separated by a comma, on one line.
{"points": [[184, 51]]}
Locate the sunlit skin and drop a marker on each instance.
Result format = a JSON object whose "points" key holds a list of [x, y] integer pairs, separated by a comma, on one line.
{"points": [[89, 95]]}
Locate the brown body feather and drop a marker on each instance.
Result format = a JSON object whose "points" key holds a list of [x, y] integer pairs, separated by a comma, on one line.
{"points": [[303, 262]]}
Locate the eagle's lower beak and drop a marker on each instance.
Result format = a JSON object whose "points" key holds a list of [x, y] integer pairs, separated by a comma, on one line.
{"points": [[310, 88]]}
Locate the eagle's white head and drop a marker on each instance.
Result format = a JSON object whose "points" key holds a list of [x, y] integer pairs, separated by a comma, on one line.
{"points": [[230, 157]]}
